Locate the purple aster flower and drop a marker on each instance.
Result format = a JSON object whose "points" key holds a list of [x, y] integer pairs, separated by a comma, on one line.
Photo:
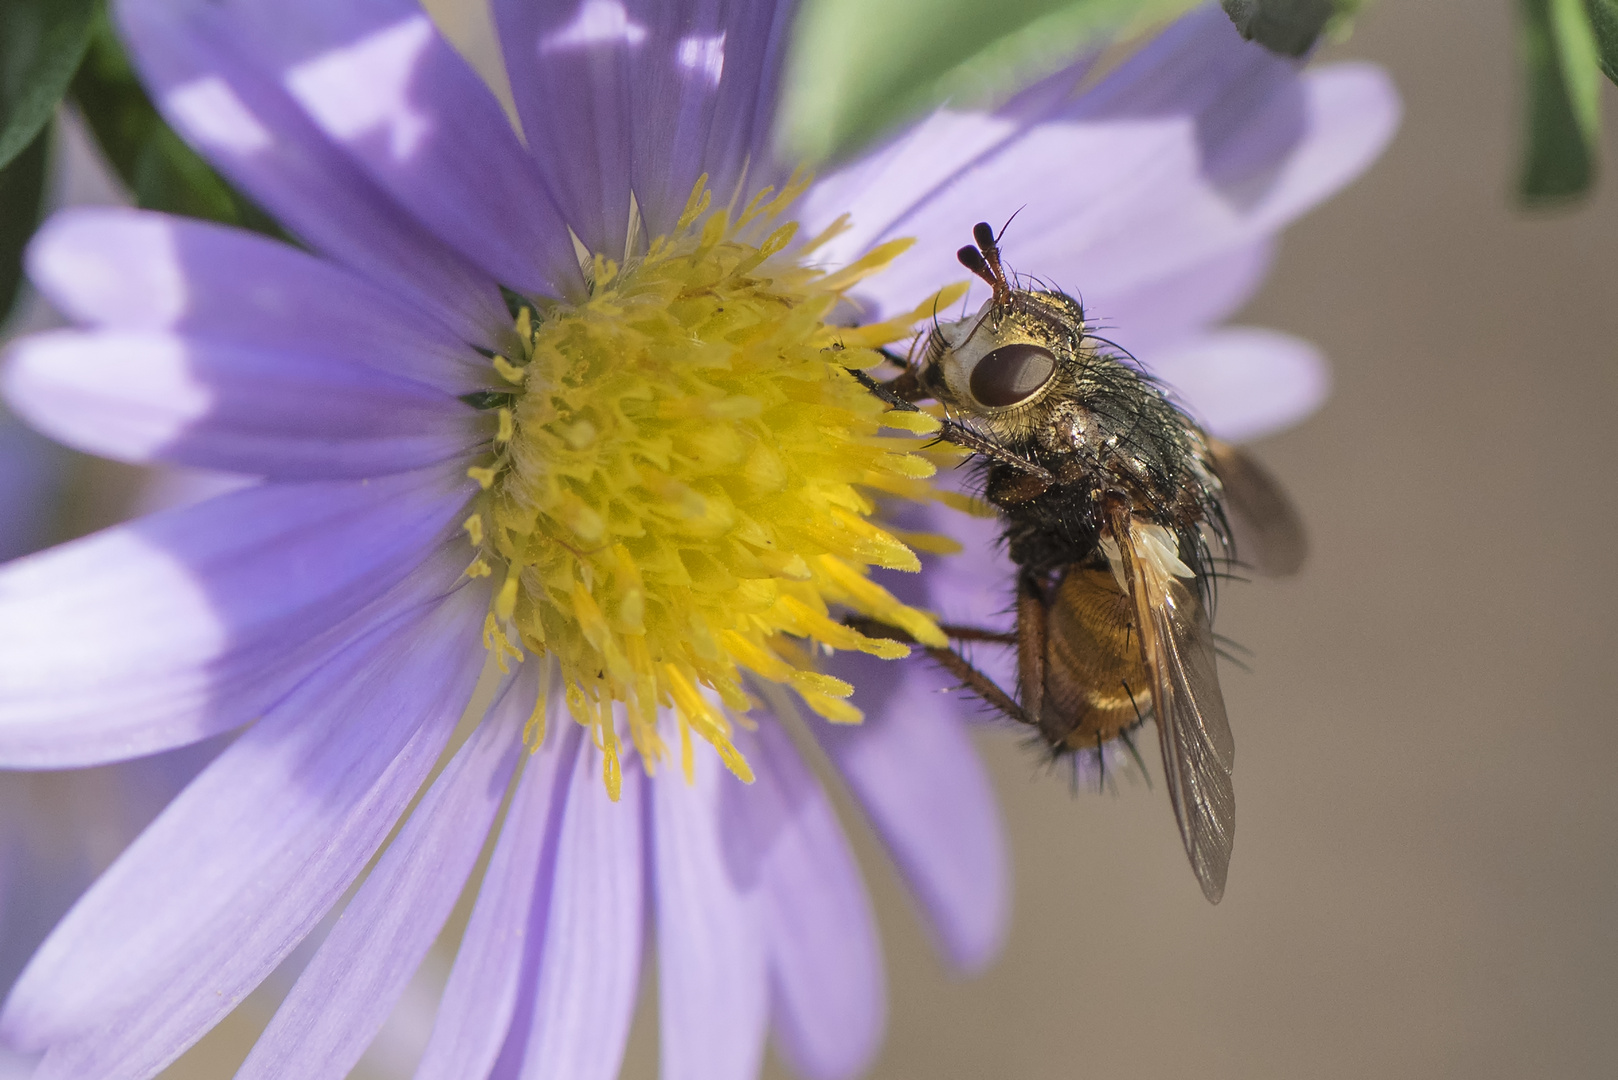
{"points": [[557, 452]]}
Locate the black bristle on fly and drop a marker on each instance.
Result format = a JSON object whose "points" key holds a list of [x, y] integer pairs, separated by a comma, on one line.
{"points": [[489, 399]]}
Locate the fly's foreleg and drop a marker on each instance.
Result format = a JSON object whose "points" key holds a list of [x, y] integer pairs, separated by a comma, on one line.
{"points": [[953, 662]]}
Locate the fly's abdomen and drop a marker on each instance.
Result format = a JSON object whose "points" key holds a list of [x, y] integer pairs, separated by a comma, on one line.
{"points": [[1095, 680]]}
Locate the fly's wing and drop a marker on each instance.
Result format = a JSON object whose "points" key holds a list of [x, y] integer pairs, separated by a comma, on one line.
{"points": [[1198, 751], [1265, 528]]}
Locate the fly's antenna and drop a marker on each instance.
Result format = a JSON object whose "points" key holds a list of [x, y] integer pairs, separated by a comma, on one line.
{"points": [[989, 244], [971, 258], [984, 261]]}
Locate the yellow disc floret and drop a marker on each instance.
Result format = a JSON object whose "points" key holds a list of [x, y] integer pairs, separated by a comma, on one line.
{"points": [[682, 485]]}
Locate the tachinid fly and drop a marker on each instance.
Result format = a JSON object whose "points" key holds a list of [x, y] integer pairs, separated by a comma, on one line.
{"points": [[1116, 507]]}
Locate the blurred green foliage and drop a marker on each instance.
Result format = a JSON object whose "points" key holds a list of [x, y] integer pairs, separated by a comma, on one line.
{"points": [[22, 183], [41, 44], [1562, 103], [1288, 27], [1604, 22], [861, 68]]}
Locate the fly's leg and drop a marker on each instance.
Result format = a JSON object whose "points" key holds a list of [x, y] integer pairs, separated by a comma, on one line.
{"points": [[973, 633], [954, 663], [980, 684], [876, 628], [958, 433], [888, 392], [1031, 644]]}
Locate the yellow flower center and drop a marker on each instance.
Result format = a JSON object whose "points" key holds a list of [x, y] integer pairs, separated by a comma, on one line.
{"points": [[683, 485]]}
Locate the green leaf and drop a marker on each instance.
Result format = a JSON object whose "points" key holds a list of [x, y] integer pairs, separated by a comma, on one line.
{"points": [[1342, 20], [1561, 63], [1603, 15], [861, 67], [41, 43], [1288, 27], [22, 195], [161, 171]]}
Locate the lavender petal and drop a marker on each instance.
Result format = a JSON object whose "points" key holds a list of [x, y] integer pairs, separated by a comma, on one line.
{"points": [[345, 994], [1164, 312], [1245, 382], [265, 840], [916, 775], [250, 127], [198, 619], [590, 929], [482, 994], [154, 397], [712, 982], [1200, 145], [827, 988], [136, 270], [379, 81], [643, 96]]}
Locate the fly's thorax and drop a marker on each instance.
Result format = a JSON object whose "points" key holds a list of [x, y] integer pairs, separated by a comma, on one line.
{"points": [[1141, 442], [1115, 437]]}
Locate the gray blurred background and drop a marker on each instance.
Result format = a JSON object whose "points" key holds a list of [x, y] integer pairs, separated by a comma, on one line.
{"points": [[1425, 881]]}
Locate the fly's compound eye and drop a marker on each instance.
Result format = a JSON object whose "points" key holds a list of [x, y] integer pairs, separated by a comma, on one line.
{"points": [[1011, 373]]}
